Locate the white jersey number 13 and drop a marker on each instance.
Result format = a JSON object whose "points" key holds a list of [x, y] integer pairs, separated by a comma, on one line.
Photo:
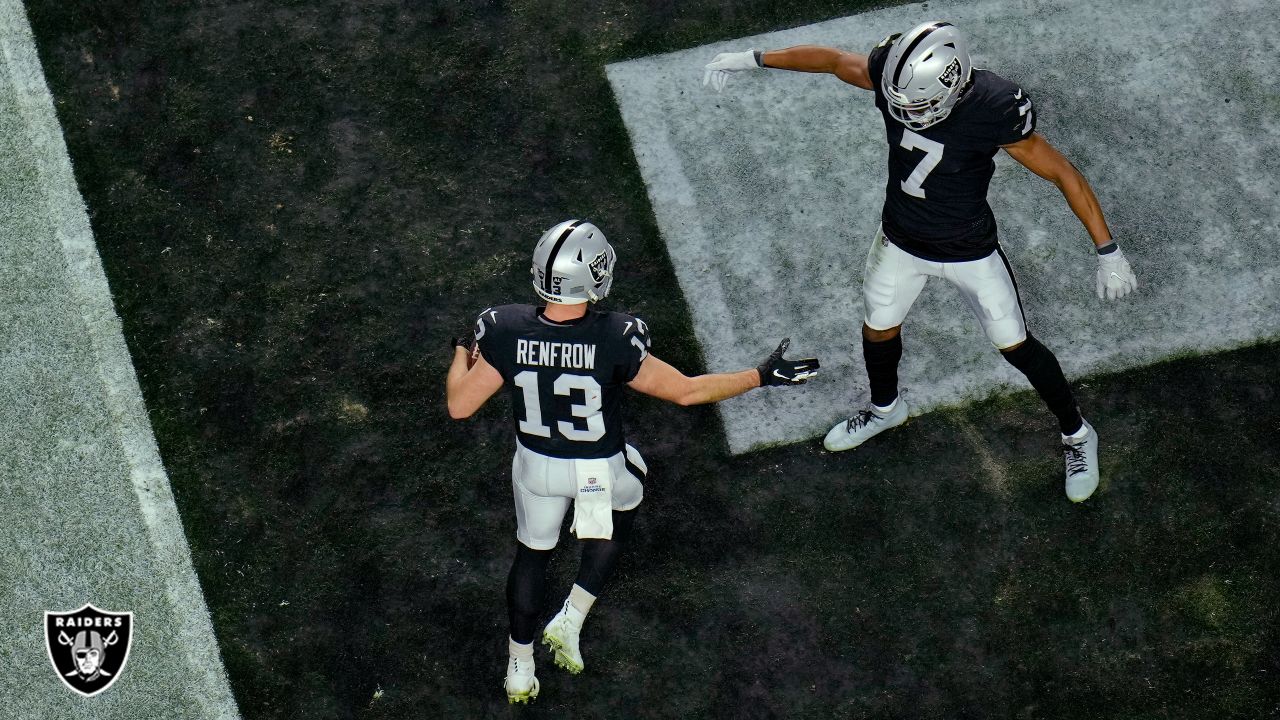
{"points": [[565, 384], [914, 184]]}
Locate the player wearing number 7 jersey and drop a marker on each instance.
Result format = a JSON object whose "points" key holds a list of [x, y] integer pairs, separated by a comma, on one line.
{"points": [[944, 121], [565, 365]]}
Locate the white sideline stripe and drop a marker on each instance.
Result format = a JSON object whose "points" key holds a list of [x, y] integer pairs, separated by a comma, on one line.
{"points": [[123, 395], [998, 479], [683, 218]]}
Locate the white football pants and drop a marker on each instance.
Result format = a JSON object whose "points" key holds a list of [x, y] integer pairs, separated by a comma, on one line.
{"points": [[894, 278], [544, 487]]}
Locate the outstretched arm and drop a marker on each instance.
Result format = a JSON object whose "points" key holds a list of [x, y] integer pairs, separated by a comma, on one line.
{"points": [[1043, 159], [849, 67], [1115, 277], [663, 381]]}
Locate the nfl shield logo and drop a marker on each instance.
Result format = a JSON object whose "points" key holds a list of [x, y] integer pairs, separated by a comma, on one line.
{"points": [[88, 647]]}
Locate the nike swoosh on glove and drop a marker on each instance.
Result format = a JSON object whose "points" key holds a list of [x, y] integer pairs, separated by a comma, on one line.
{"points": [[1115, 277], [716, 72], [777, 370]]}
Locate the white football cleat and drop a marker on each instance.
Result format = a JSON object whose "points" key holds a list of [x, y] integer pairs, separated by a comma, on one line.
{"points": [[864, 425], [1081, 454], [522, 685], [561, 636]]}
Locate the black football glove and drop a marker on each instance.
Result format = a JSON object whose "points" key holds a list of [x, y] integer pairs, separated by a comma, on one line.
{"points": [[776, 370]]}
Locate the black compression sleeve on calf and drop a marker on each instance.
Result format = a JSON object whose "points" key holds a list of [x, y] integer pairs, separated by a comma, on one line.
{"points": [[1041, 367], [526, 591], [882, 368], [600, 557]]}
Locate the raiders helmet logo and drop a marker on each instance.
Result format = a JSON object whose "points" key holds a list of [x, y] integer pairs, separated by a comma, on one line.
{"points": [[88, 647], [599, 267], [951, 75]]}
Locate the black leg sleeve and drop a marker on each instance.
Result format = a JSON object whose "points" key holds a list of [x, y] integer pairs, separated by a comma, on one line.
{"points": [[882, 368], [1040, 366], [600, 557], [526, 590]]}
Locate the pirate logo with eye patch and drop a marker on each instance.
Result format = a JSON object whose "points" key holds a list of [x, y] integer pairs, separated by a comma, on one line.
{"points": [[88, 647]]}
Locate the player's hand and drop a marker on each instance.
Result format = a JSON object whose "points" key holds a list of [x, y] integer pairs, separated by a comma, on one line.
{"points": [[468, 343], [1115, 277], [716, 73], [777, 370]]}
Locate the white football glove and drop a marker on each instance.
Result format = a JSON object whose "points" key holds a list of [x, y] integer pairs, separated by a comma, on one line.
{"points": [[717, 71], [1115, 277]]}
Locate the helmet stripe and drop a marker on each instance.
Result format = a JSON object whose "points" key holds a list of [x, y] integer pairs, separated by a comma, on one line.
{"points": [[555, 250], [906, 54]]}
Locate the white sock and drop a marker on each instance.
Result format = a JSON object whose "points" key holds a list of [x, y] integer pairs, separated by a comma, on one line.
{"points": [[1080, 434], [515, 649], [887, 408], [581, 600]]}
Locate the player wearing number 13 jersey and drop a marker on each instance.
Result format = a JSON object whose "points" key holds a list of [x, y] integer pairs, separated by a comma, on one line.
{"points": [[576, 369], [944, 122], [564, 365]]}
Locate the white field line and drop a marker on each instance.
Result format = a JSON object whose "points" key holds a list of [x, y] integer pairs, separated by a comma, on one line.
{"points": [[684, 218], [123, 396]]}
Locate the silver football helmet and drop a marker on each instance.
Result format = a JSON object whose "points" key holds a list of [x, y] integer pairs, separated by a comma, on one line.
{"points": [[573, 263], [925, 74]]}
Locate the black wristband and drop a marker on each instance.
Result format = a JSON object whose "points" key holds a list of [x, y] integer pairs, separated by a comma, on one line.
{"points": [[1109, 248], [759, 57]]}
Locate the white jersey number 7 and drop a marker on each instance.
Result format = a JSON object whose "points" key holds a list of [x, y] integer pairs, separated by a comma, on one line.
{"points": [[914, 184]]}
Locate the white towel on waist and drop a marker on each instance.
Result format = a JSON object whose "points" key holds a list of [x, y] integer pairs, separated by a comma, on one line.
{"points": [[593, 506]]}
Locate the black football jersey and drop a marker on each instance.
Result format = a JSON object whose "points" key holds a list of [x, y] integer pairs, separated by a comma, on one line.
{"points": [[565, 379], [935, 204]]}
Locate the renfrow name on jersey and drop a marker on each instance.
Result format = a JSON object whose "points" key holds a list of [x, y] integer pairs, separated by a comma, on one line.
{"points": [[579, 356]]}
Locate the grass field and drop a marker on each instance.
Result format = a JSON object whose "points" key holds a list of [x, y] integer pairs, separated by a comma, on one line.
{"points": [[298, 202], [87, 513]]}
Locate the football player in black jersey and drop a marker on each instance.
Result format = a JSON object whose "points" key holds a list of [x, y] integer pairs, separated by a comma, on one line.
{"points": [[944, 121], [564, 366]]}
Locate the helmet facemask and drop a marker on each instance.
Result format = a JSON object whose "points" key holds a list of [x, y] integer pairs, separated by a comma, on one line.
{"points": [[926, 74]]}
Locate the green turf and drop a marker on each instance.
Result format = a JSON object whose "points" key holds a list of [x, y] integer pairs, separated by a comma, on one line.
{"points": [[86, 515], [297, 203]]}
